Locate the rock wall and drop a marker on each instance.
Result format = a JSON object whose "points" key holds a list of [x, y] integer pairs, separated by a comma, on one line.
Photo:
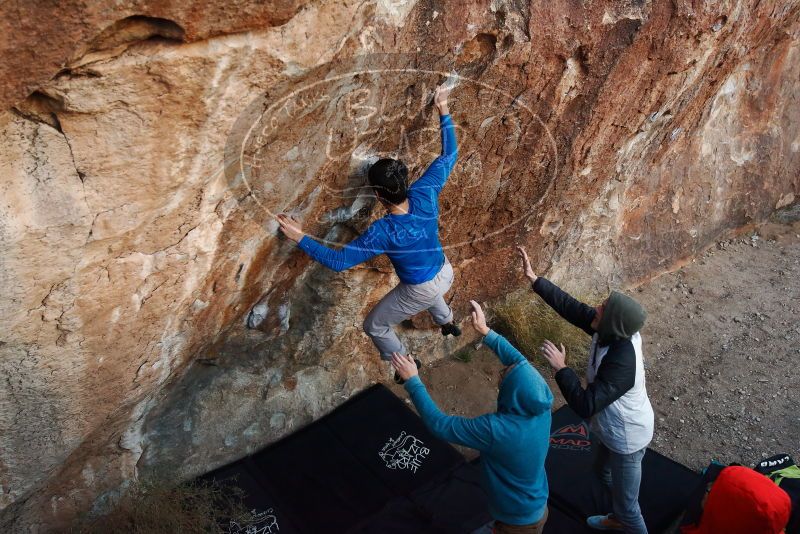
{"points": [[146, 146]]}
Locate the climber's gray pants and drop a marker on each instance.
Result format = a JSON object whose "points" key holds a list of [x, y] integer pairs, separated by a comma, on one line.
{"points": [[403, 302]]}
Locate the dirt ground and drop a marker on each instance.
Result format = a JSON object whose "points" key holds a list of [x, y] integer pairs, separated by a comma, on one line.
{"points": [[722, 354]]}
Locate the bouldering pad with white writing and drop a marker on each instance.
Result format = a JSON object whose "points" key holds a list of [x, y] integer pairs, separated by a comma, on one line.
{"points": [[664, 492]]}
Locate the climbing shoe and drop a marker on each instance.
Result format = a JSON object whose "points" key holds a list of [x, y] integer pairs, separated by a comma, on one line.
{"points": [[450, 328], [398, 379]]}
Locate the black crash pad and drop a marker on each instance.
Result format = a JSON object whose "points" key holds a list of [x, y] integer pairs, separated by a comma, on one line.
{"points": [[664, 492], [392, 441], [318, 482], [398, 516], [559, 522], [456, 504], [371, 467], [265, 515], [339, 473]]}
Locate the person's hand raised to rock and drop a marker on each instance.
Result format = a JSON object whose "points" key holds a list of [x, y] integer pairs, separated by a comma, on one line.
{"points": [[405, 365], [526, 264], [556, 358], [478, 318]]}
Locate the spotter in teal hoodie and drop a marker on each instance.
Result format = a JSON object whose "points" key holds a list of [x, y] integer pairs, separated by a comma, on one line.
{"points": [[513, 441]]}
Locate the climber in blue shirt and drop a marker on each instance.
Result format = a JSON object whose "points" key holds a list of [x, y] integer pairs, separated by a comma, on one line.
{"points": [[408, 234], [513, 441]]}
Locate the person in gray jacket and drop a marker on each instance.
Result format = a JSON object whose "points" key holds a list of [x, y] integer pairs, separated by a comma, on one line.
{"points": [[614, 399]]}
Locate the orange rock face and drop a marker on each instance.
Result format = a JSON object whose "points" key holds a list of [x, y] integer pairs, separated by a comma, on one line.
{"points": [[146, 148]]}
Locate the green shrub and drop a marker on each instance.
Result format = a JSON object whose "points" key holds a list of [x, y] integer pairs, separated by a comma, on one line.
{"points": [[161, 507], [464, 355], [526, 320]]}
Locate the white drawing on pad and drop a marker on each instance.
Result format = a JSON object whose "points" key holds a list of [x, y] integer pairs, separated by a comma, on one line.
{"points": [[404, 452], [260, 523]]}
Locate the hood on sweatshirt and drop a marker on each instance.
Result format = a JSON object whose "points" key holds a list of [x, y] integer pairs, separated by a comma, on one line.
{"points": [[518, 394], [622, 317], [743, 501]]}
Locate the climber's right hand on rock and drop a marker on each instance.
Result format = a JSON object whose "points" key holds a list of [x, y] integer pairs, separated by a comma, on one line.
{"points": [[291, 227], [478, 318], [526, 264]]}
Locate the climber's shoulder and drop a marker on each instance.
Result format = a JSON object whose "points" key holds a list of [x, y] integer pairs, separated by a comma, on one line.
{"points": [[377, 227], [421, 196]]}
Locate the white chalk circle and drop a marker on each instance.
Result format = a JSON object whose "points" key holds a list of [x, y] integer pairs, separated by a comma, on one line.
{"points": [[304, 147]]}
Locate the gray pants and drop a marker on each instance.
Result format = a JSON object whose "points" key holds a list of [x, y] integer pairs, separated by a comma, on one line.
{"points": [[622, 473], [403, 302]]}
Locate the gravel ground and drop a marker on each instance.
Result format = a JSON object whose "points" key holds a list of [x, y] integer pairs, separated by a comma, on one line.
{"points": [[722, 347]]}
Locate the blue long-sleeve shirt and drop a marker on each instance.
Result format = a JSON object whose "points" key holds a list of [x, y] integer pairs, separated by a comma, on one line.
{"points": [[410, 240], [513, 441]]}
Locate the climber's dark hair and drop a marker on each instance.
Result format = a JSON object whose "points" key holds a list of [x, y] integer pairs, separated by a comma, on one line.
{"points": [[389, 179]]}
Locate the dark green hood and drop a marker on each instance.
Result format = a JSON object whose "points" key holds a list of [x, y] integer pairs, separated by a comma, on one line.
{"points": [[622, 317]]}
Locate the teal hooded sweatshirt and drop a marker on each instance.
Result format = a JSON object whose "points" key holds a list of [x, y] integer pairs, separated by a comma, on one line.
{"points": [[513, 441]]}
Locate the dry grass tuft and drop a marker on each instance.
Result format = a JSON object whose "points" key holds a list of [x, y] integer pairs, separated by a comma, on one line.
{"points": [[464, 355], [526, 320], [161, 507]]}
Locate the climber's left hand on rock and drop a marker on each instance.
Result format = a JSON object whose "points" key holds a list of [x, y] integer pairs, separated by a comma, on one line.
{"points": [[440, 99], [291, 227]]}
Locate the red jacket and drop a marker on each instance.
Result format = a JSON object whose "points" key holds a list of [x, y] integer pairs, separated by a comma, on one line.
{"points": [[742, 501]]}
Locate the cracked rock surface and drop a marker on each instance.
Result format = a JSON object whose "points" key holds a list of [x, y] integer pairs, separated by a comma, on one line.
{"points": [[146, 145]]}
